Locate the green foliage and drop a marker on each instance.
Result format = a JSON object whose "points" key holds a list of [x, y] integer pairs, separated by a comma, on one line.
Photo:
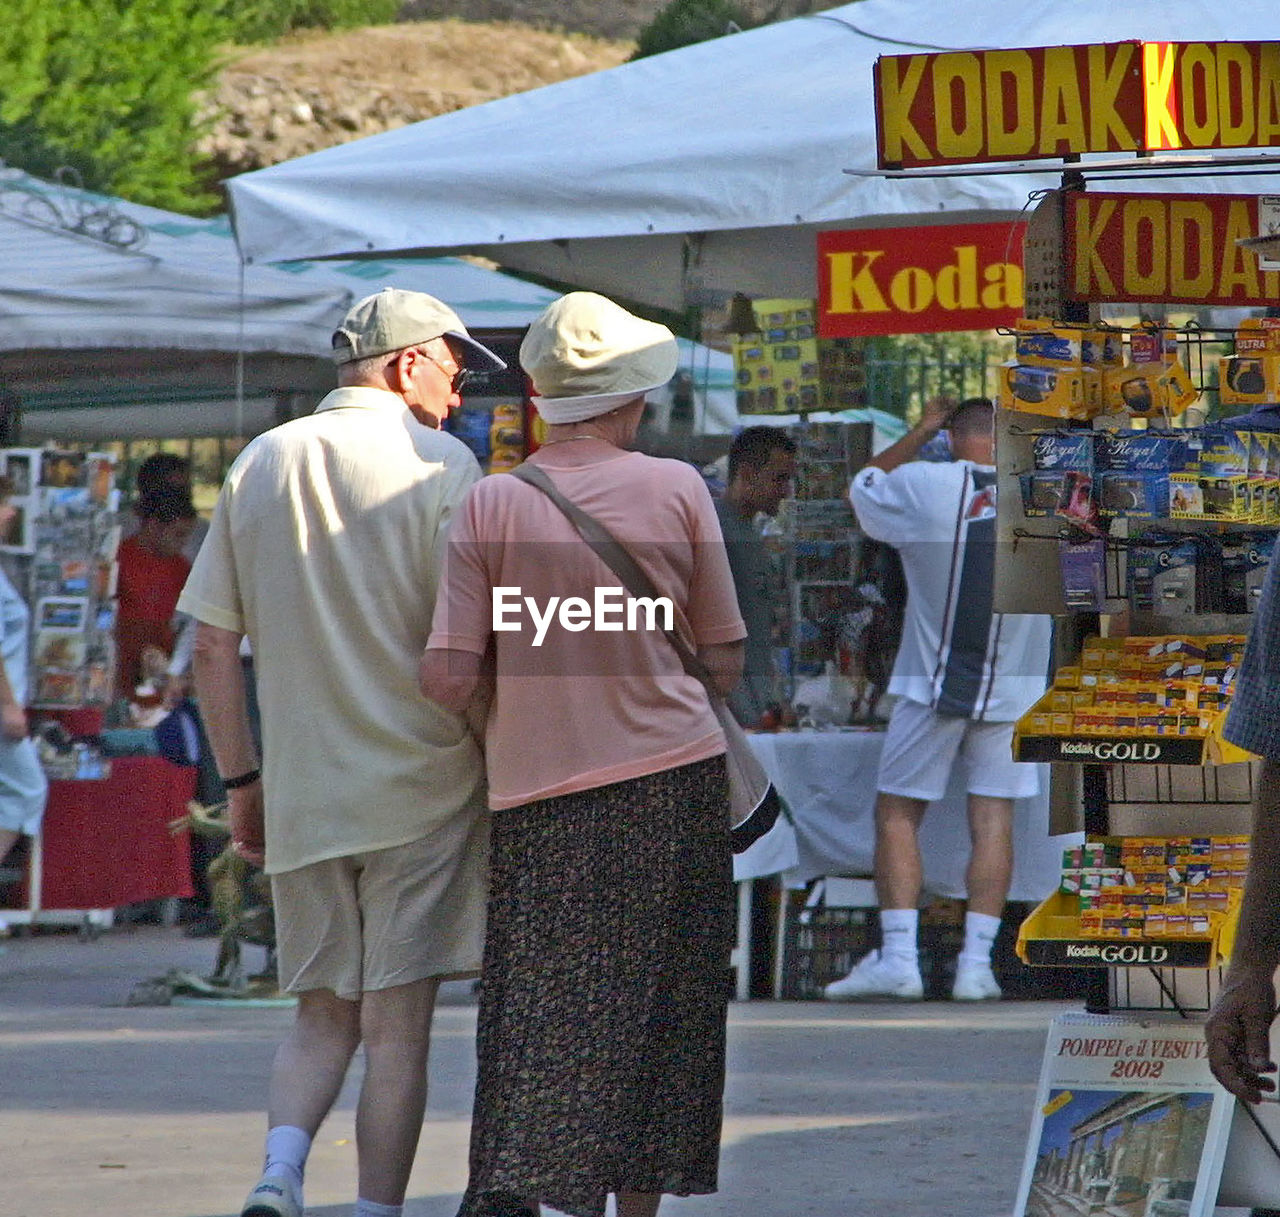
{"points": [[684, 22], [105, 87], [263, 20]]}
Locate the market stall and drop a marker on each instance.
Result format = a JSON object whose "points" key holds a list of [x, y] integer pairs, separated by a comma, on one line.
{"points": [[1136, 505]]}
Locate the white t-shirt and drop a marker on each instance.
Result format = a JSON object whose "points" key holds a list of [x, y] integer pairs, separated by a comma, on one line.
{"points": [[956, 654], [324, 549]]}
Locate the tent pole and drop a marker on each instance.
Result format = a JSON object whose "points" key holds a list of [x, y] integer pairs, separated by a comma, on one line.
{"points": [[240, 357]]}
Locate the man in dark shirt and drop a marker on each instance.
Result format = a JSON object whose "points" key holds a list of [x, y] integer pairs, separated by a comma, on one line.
{"points": [[762, 465]]}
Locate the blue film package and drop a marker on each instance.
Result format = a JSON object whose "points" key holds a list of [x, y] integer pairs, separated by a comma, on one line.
{"points": [[1142, 451], [1064, 450], [1143, 496], [1083, 566]]}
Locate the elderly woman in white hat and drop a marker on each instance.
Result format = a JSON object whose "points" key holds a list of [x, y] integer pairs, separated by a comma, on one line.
{"points": [[603, 1000]]}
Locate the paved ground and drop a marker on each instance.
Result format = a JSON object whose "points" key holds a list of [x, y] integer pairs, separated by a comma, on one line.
{"points": [[832, 1111]]}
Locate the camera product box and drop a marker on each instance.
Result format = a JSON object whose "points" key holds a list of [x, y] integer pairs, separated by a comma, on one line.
{"points": [[1134, 472], [1249, 380], [1224, 466], [1258, 336], [1148, 390], [1153, 382], [1083, 566], [1245, 557], [1039, 342], [1061, 482], [1074, 393], [1163, 575]]}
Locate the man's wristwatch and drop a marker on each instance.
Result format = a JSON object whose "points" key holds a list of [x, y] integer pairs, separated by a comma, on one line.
{"points": [[245, 779]]}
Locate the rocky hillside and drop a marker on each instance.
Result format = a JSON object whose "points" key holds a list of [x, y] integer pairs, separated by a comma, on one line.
{"points": [[311, 91]]}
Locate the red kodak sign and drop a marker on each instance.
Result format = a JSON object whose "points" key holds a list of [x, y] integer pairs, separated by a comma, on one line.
{"points": [[919, 280], [1157, 247], [966, 107]]}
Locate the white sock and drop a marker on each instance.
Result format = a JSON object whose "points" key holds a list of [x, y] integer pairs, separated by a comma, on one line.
{"points": [[287, 1150], [898, 935], [371, 1208], [980, 930]]}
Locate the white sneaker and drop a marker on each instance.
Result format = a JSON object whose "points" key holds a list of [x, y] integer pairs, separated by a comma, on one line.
{"points": [[878, 977], [975, 982], [274, 1196]]}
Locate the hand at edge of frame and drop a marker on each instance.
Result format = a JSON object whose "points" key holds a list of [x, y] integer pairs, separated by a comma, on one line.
{"points": [[1238, 1034]]}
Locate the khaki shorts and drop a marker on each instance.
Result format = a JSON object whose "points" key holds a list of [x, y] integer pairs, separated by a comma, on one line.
{"points": [[388, 917]]}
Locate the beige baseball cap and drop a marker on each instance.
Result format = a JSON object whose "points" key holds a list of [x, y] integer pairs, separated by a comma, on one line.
{"points": [[586, 351], [393, 319]]}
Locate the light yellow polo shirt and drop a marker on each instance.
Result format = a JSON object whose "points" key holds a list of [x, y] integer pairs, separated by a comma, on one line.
{"points": [[324, 549]]}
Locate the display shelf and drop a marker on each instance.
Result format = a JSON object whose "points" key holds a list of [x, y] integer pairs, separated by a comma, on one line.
{"points": [[1209, 749], [1050, 937]]}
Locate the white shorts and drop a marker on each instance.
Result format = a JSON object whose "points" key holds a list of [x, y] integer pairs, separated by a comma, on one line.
{"points": [[921, 746]]}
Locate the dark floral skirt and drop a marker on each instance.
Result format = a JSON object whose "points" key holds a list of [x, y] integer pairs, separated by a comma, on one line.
{"points": [[602, 1003]]}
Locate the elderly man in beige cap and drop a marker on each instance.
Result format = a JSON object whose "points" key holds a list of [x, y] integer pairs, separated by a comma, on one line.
{"points": [[368, 812], [602, 1016]]}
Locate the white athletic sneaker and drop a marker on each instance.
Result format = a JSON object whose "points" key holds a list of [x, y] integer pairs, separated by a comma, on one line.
{"points": [[274, 1196], [877, 977], [975, 982]]}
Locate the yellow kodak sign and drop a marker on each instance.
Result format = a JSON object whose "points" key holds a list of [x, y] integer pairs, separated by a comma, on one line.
{"points": [[1157, 247], [965, 107]]}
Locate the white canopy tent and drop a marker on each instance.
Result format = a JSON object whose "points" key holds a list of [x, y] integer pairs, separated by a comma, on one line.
{"points": [[678, 179], [122, 321]]}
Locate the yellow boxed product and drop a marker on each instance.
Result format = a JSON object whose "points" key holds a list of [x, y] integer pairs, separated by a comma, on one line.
{"points": [[1042, 343], [1258, 336], [1249, 380], [1098, 653], [1139, 391], [1061, 699], [1056, 392], [1104, 348]]}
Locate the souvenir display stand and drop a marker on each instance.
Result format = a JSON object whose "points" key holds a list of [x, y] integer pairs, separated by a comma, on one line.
{"points": [[108, 837], [1148, 541], [1146, 535]]}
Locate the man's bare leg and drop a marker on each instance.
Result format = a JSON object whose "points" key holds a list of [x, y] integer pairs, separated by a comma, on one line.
{"points": [[899, 871], [395, 1026], [991, 856], [310, 1065]]}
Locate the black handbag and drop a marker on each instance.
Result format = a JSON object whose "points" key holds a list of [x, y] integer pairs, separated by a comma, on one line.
{"points": [[753, 801]]}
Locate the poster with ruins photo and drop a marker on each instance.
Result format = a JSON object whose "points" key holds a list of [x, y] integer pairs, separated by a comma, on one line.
{"points": [[1128, 1121]]}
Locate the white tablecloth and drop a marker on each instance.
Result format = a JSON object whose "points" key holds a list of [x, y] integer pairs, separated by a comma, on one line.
{"points": [[829, 782]]}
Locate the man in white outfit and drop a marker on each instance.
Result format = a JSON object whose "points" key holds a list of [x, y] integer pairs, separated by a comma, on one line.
{"points": [[962, 676]]}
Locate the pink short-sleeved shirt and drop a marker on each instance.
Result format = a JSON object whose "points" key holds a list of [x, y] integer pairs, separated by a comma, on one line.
{"points": [[587, 706]]}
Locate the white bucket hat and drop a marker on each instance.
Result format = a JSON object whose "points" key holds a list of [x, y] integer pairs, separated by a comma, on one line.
{"points": [[587, 355]]}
